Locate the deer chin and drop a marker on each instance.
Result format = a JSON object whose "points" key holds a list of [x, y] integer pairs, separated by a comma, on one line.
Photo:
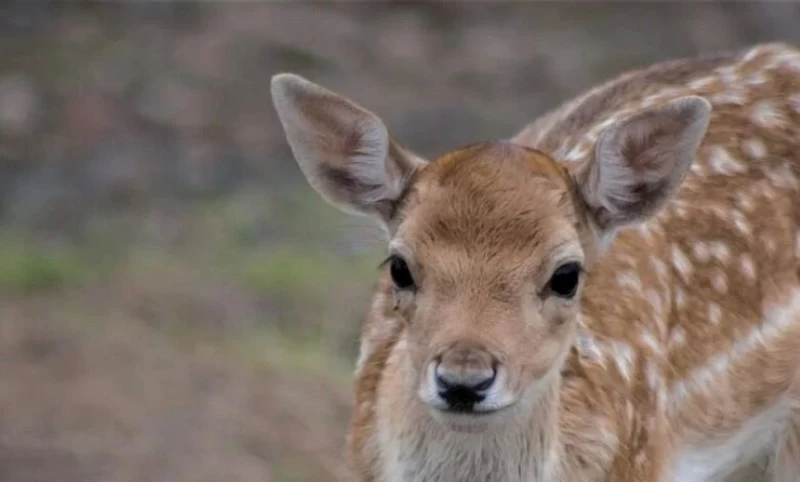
{"points": [[474, 420]]}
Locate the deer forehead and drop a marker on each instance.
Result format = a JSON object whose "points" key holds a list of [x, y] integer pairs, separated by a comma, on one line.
{"points": [[493, 205]]}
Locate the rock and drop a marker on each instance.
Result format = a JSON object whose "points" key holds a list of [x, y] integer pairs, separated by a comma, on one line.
{"points": [[19, 106]]}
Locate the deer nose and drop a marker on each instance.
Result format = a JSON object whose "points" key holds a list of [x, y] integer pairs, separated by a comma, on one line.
{"points": [[464, 377]]}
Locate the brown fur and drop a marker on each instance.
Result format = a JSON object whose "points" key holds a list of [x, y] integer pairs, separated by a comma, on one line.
{"points": [[684, 330]]}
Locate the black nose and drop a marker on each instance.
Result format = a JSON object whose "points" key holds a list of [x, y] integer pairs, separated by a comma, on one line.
{"points": [[462, 389]]}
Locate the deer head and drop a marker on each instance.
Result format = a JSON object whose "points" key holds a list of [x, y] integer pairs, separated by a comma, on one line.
{"points": [[490, 244]]}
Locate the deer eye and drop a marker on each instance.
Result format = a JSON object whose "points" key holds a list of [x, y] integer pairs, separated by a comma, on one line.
{"points": [[564, 282], [401, 275]]}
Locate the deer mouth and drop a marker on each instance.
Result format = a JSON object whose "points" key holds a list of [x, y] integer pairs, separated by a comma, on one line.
{"points": [[470, 419], [473, 410]]}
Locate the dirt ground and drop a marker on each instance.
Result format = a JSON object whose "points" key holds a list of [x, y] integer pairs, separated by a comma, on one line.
{"points": [[101, 395]]}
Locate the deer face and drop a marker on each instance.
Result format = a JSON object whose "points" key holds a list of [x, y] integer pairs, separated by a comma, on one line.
{"points": [[489, 245], [487, 284]]}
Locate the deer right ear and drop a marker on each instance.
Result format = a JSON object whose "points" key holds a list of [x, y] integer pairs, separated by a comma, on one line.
{"points": [[640, 162], [344, 151]]}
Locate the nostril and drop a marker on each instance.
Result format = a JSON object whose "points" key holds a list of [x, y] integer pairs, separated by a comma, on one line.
{"points": [[460, 387], [442, 383], [486, 384]]}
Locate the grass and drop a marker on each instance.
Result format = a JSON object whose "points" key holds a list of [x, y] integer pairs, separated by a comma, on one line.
{"points": [[244, 323], [268, 347], [28, 269], [291, 272]]}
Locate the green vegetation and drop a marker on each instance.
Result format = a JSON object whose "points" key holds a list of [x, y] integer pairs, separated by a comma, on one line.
{"points": [[234, 314], [28, 269]]}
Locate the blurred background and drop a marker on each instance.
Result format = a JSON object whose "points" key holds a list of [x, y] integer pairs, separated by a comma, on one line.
{"points": [[176, 304]]}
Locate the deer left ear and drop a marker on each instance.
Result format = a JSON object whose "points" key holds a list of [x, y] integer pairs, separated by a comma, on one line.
{"points": [[639, 163], [344, 151]]}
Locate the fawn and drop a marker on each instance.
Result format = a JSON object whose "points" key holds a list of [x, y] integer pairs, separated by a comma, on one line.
{"points": [[613, 294]]}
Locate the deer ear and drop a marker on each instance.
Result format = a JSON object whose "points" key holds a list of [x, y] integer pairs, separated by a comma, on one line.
{"points": [[344, 151], [640, 163]]}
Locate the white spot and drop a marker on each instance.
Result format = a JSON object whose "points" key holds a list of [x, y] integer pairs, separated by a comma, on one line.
{"points": [[702, 83], [740, 221], [719, 250], [651, 100], [769, 243], [663, 397], [745, 202], [629, 279], [678, 337], [728, 74], [734, 97], [645, 232], [627, 260], [788, 60], [767, 115], [753, 53], [720, 282], [756, 80], [722, 162], [624, 357], [748, 267], [719, 211], [650, 342], [561, 151], [606, 124], [714, 313], [652, 375], [700, 251], [783, 177], [698, 169], [655, 302], [797, 244], [794, 101], [589, 348], [680, 298], [660, 267], [681, 262], [577, 153], [670, 92], [754, 148]]}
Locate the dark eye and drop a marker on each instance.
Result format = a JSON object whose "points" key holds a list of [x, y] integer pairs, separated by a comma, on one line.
{"points": [[401, 275], [564, 281]]}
